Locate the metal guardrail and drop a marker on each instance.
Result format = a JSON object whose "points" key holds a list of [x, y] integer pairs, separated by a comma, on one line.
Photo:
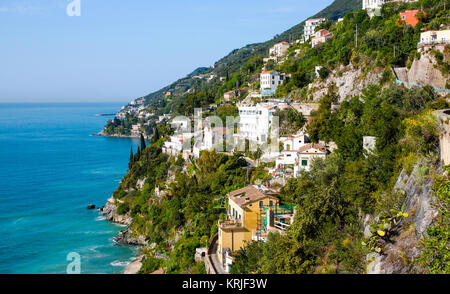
{"points": [[419, 85]]}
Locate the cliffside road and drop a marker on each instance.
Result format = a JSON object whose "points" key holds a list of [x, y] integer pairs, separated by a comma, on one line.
{"points": [[212, 256]]}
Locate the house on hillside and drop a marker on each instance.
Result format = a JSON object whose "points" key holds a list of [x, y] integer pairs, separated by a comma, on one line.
{"points": [[321, 36], [252, 212], [279, 49], [289, 155], [310, 26], [432, 38], [255, 122], [269, 82], [306, 154], [409, 17], [229, 95]]}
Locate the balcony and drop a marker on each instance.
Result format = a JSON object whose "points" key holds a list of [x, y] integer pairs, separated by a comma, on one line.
{"points": [[230, 224]]}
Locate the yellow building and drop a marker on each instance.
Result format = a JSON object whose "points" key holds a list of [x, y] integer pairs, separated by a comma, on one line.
{"points": [[245, 218]]}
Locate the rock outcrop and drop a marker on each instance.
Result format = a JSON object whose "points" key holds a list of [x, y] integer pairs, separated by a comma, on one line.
{"points": [[398, 256], [349, 80], [424, 71], [110, 213]]}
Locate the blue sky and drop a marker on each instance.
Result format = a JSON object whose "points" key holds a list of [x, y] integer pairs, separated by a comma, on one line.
{"points": [[120, 50]]}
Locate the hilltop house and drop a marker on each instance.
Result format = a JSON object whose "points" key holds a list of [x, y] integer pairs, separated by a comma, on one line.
{"points": [[409, 17], [321, 36], [269, 81], [279, 49], [252, 212], [310, 26]]}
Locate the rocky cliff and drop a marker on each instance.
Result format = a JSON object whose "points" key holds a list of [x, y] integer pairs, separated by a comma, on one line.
{"points": [[349, 80], [125, 236], [399, 255]]}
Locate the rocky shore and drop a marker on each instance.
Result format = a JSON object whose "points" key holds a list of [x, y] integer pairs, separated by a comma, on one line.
{"points": [[125, 236], [103, 134]]}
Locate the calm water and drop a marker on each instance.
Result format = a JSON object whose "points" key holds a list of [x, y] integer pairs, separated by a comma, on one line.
{"points": [[51, 168]]}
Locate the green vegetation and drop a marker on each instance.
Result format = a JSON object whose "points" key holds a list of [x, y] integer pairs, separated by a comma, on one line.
{"points": [[435, 257], [180, 201]]}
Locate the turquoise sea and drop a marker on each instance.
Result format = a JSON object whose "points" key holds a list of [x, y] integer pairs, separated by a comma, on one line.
{"points": [[51, 168]]}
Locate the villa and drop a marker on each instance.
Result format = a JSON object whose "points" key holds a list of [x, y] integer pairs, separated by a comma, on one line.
{"points": [[321, 36], [310, 26], [255, 122], [252, 212], [279, 49], [269, 82], [306, 154]]}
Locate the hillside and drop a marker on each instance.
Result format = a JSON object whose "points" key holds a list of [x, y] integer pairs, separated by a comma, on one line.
{"points": [[233, 62], [358, 209]]}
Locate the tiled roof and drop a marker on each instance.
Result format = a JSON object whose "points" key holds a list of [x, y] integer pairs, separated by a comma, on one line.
{"points": [[249, 194], [319, 147]]}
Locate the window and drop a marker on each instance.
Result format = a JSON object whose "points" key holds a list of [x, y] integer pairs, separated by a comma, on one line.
{"points": [[270, 202], [261, 203], [304, 162]]}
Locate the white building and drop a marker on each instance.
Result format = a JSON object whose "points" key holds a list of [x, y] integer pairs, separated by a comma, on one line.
{"points": [[295, 142], [321, 36], [270, 80], [435, 37], [291, 144], [310, 26], [279, 49], [255, 122], [372, 7], [306, 154]]}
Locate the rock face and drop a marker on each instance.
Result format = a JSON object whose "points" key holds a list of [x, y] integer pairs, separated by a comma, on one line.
{"points": [[398, 255], [349, 81], [424, 71], [124, 236], [110, 212]]}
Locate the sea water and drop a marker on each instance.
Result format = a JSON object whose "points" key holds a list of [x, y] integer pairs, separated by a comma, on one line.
{"points": [[50, 169]]}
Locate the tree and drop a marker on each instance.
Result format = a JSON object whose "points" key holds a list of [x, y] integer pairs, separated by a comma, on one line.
{"points": [[143, 146], [131, 161]]}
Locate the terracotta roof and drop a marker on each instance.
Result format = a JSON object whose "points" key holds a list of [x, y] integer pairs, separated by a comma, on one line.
{"points": [[311, 19], [320, 147], [267, 71], [249, 194]]}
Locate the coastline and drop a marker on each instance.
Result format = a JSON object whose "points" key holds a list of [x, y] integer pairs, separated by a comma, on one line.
{"points": [[124, 236], [103, 134]]}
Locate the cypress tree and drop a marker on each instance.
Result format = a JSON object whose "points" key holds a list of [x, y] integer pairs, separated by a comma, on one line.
{"points": [[142, 143], [155, 135], [131, 161]]}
